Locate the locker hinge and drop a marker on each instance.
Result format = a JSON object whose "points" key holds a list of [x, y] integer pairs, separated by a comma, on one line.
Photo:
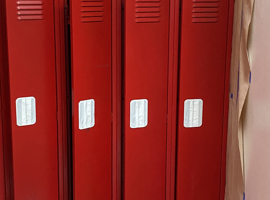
{"points": [[111, 117]]}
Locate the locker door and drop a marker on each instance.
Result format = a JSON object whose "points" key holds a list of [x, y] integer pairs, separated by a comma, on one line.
{"points": [[203, 51], [31, 57], [146, 32], [91, 49]]}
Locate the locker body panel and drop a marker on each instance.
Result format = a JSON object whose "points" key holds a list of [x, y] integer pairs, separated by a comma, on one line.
{"points": [[91, 49], [203, 51], [31, 57], [145, 77]]}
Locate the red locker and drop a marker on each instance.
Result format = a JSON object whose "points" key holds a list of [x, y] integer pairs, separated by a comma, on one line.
{"points": [[149, 89], [206, 29], [2, 171], [2, 125], [95, 54], [7, 170], [35, 54]]}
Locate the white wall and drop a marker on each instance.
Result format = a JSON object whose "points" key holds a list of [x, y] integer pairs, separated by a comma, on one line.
{"points": [[256, 127]]}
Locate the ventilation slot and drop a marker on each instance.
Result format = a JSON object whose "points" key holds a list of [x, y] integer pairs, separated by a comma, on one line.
{"points": [[30, 10], [92, 11], [147, 11], [205, 11]]}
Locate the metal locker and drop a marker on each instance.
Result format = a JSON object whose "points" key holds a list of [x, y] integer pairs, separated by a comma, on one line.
{"points": [[2, 106], [36, 66], [95, 62], [205, 48], [2, 171], [149, 92]]}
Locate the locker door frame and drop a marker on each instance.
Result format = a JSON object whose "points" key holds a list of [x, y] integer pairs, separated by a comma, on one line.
{"points": [[5, 131], [2, 172], [226, 99], [116, 99], [172, 98], [60, 24]]}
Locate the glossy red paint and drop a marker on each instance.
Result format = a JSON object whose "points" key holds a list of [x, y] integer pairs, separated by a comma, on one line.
{"points": [[95, 53], [150, 72], [204, 67], [36, 68]]}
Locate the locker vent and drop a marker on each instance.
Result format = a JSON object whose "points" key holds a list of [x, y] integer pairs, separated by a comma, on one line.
{"points": [[147, 11], [92, 11], [205, 11], [30, 10]]}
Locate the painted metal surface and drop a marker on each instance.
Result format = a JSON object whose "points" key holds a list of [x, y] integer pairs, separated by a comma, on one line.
{"points": [[146, 47], [2, 171], [226, 98], [116, 99], [32, 67], [95, 51], [5, 108], [2, 63], [203, 75], [63, 96], [172, 98]]}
